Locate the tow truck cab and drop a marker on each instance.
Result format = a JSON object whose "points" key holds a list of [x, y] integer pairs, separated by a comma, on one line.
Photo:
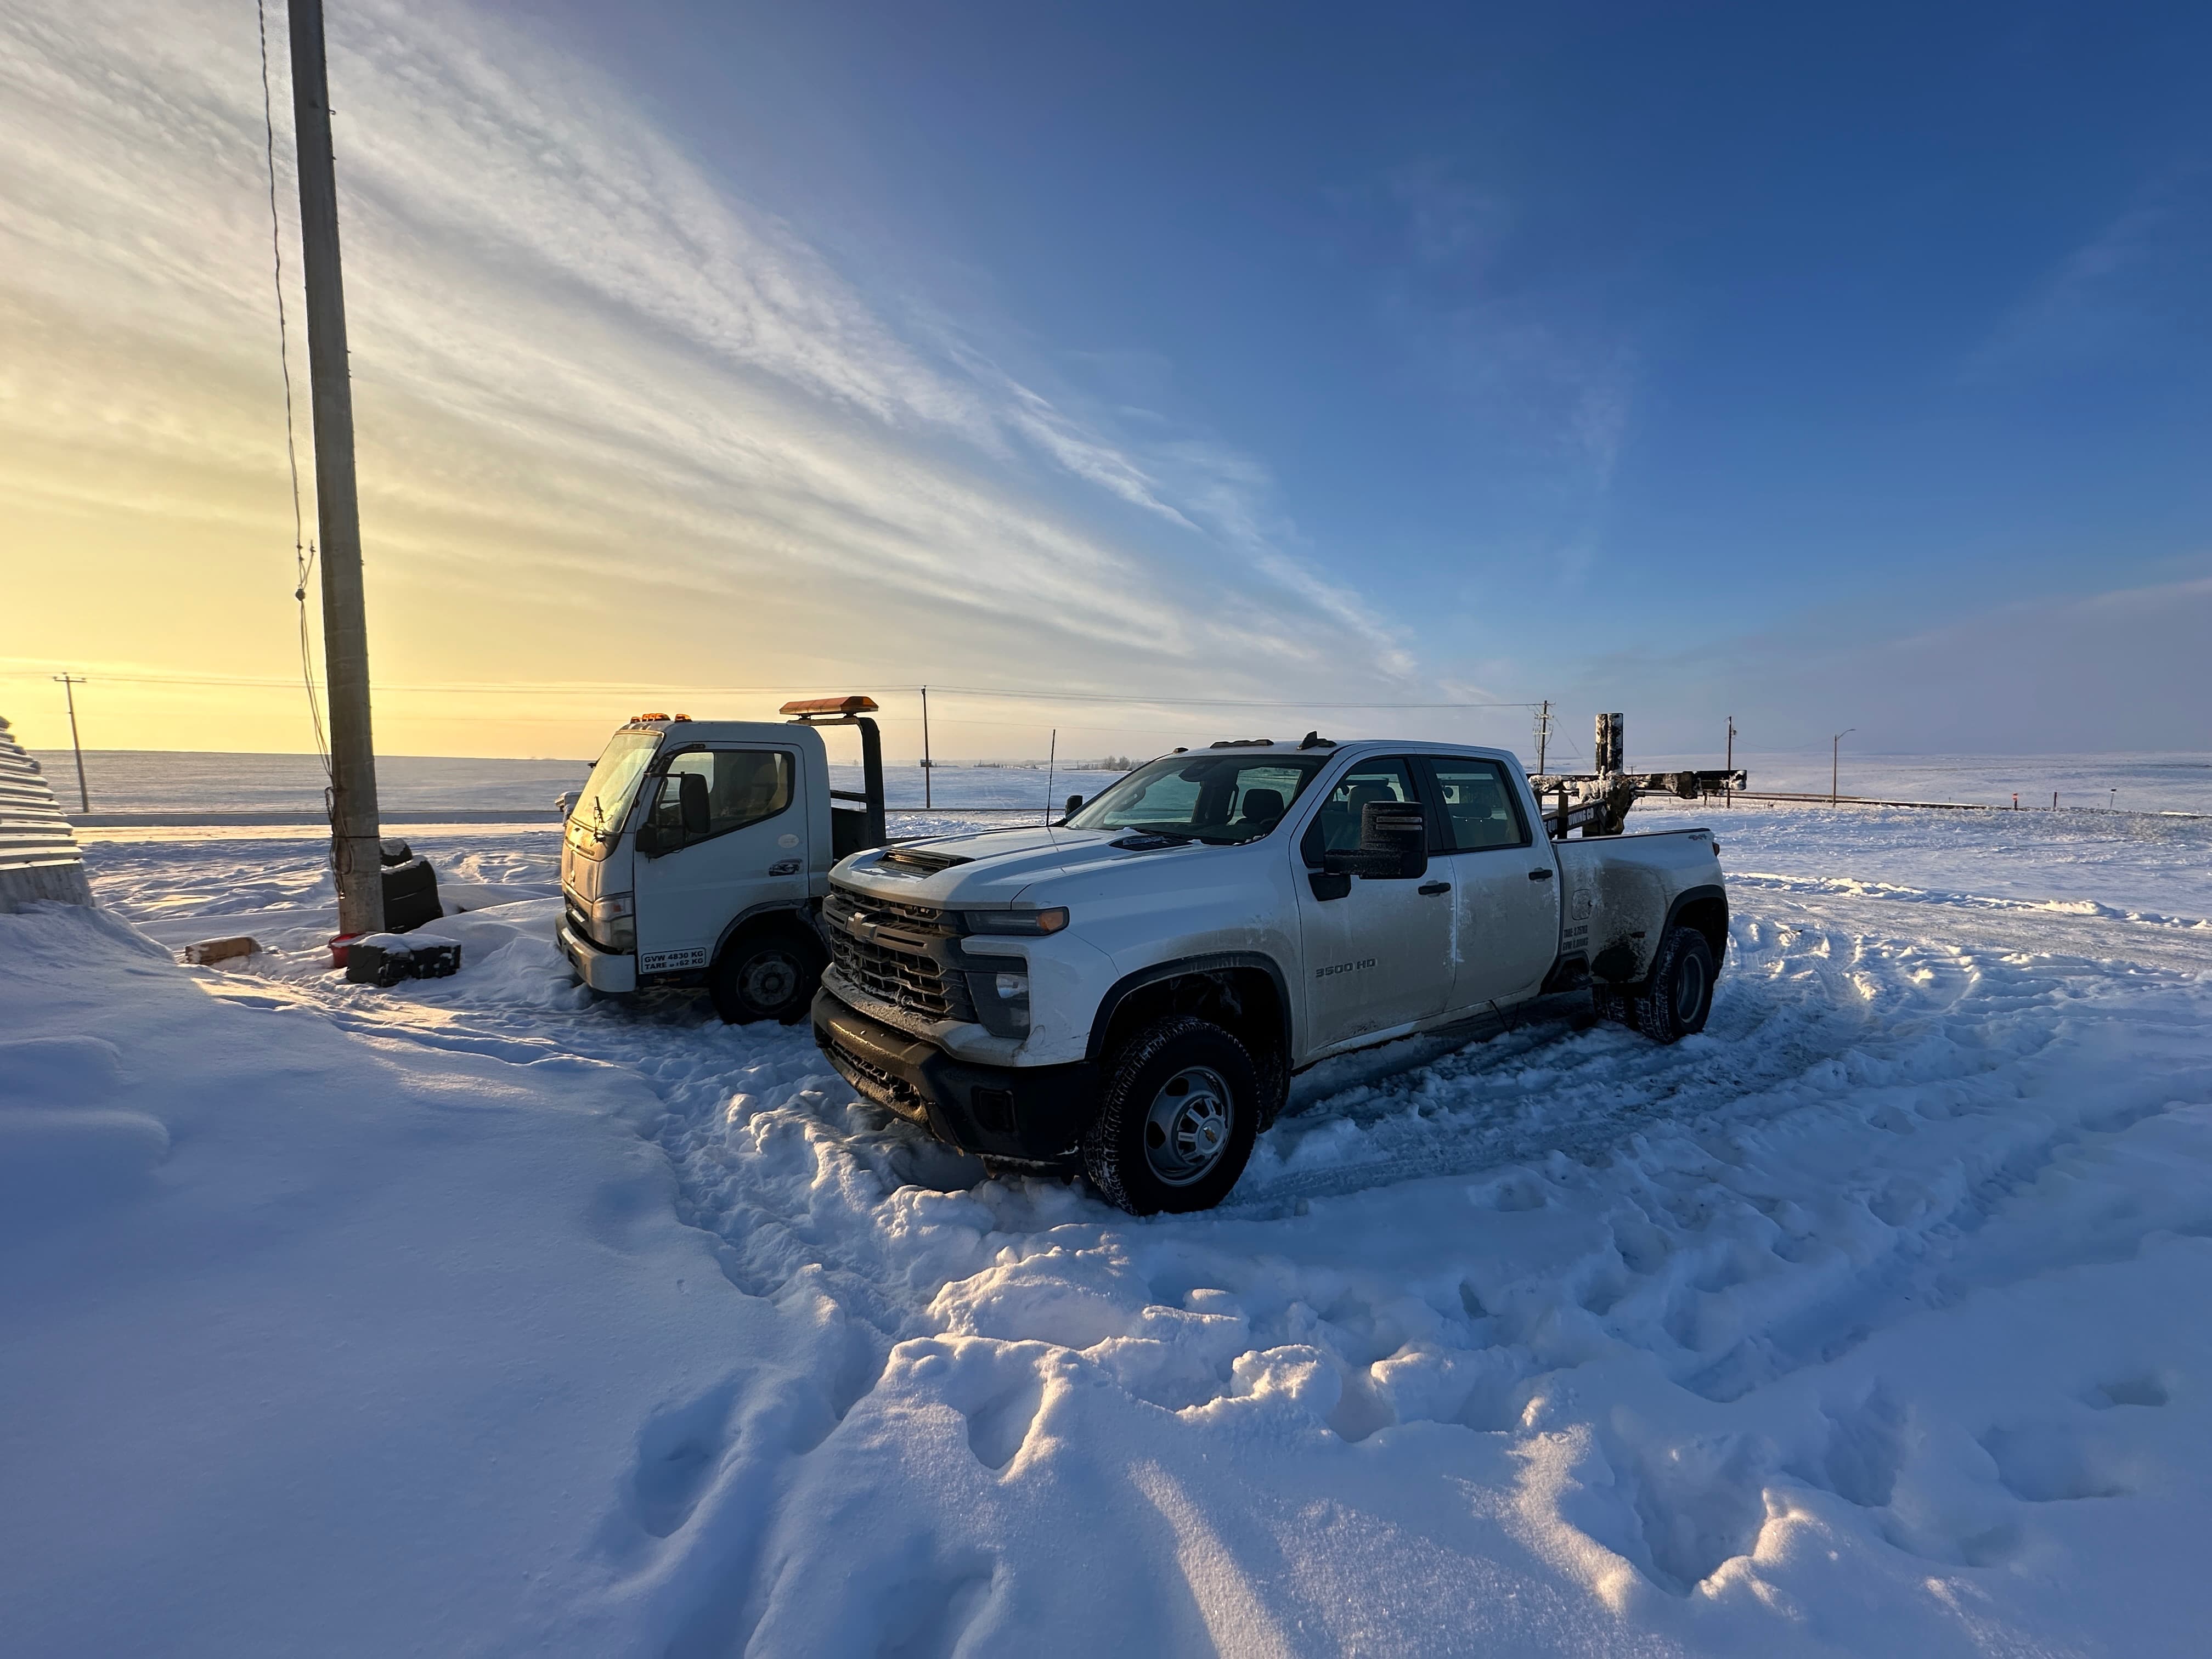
{"points": [[699, 853]]}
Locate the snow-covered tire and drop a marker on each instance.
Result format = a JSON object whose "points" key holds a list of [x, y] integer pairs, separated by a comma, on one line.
{"points": [[768, 973], [1678, 994], [1179, 1108]]}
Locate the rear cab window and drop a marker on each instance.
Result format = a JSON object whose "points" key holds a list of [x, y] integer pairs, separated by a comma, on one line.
{"points": [[1479, 808]]}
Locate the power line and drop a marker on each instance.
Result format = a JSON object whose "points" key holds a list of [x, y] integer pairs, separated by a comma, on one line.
{"points": [[663, 688], [303, 556]]}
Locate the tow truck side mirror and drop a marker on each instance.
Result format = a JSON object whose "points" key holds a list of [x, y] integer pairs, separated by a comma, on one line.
{"points": [[1393, 844]]}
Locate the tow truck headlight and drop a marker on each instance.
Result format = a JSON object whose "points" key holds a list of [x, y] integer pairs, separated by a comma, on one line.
{"points": [[1002, 999], [614, 921], [1030, 922]]}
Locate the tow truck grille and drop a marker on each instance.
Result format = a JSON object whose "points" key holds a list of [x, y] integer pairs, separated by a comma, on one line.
{"points": [[887, 950]]}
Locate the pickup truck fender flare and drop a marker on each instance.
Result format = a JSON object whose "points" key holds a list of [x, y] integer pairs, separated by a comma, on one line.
{"points": [[1627, 961], [1709, 893], [1214, 962]]}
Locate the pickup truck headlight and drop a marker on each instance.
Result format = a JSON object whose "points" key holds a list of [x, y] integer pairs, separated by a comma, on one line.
{"points": [[1002, 999], [614, 921], [1032, 923]]}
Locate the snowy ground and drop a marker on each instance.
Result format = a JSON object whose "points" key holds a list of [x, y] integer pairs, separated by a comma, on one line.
{"points": [[478, 1316]]}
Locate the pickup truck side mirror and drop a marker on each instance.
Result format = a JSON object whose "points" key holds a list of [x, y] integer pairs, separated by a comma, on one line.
{"points": [[1074, 805], [1393, 844]]}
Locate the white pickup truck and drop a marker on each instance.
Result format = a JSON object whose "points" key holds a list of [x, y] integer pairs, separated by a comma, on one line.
{"points": [[1128, 991]]}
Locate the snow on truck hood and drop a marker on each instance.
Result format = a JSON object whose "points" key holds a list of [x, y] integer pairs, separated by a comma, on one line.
{"points": [[996, 867]]}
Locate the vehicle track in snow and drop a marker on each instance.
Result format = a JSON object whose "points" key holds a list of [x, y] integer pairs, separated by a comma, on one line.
{"points": [[1824, 1017]]}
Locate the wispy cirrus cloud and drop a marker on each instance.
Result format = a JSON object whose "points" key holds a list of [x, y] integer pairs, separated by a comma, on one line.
{"points": [[2121, 293], [581, 359]]}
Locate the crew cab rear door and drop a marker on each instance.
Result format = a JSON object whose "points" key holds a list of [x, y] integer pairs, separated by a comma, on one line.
{"points": [[1504, 881], [752, 853], [1377, 953]]}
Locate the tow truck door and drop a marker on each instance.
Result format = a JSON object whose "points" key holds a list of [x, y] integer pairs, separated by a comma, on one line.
{"points": [[753, 853], [1505, 887], [1378, 956]]}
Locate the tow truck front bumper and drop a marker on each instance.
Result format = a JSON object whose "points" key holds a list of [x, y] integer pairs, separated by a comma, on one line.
{"points": [[600, 969], [1034, 1113]]}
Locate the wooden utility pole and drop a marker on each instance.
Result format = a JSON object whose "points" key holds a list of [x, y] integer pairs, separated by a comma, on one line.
{"points": [[1835, 749], [70, 684], [353, 822], [927, 795], [1727, 789]]}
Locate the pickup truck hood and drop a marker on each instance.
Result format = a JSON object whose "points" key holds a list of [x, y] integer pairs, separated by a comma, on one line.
{"points": [[992, 869]]}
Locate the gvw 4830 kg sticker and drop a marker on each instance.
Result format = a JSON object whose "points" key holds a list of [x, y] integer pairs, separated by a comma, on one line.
{"points": [[670, 962]]}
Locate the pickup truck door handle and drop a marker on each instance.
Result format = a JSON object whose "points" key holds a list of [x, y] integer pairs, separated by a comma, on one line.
{"points": [[1539, 875], [1429, 888]]}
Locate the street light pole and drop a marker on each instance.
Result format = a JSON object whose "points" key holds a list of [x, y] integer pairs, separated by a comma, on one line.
{"points": [[70, 684], [1835, 749]]}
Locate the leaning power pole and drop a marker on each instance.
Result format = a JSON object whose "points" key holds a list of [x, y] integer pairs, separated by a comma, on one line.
{"points": [[70, 684], [354, 824]]}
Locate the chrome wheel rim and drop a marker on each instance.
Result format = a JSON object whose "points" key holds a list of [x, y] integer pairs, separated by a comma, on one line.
{"points": [[1186, 1130], [1689, 988], [769, 980]]}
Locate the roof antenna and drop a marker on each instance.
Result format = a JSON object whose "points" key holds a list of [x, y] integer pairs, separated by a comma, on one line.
{"points": [[1315, 740]]}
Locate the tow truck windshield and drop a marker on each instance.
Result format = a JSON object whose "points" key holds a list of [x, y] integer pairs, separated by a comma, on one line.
{"points": [[605, 800], [1220, 799]]}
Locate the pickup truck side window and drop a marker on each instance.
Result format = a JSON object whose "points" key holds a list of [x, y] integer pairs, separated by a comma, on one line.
{"points": [[1336, 826], [744, 786], [1482, 809]]}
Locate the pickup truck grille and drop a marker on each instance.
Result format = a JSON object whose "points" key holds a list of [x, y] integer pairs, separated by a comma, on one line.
{"points": [[889, 950]]}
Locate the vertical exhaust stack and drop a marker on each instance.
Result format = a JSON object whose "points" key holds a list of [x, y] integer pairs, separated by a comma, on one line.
{"points": [[1609, 745]]}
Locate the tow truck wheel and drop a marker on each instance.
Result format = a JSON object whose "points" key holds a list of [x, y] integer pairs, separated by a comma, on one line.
{"points": [[1176, 1119], [1679, 995], [768, 973]]}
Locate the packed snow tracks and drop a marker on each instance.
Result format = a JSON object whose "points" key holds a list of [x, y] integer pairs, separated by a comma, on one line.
{"points": [[1868, 1317]]}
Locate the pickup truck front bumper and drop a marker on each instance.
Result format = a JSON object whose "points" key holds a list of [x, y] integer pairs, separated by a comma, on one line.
{"points": [[601, 969], [1034, 1113]]}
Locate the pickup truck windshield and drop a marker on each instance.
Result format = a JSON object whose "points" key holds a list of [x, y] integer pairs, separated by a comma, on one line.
{"points": [[604, 800], [1220, 799]]}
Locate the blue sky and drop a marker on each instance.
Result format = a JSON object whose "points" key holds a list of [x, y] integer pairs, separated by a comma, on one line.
{"points": [[1531, 301], [1848, 367]]}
